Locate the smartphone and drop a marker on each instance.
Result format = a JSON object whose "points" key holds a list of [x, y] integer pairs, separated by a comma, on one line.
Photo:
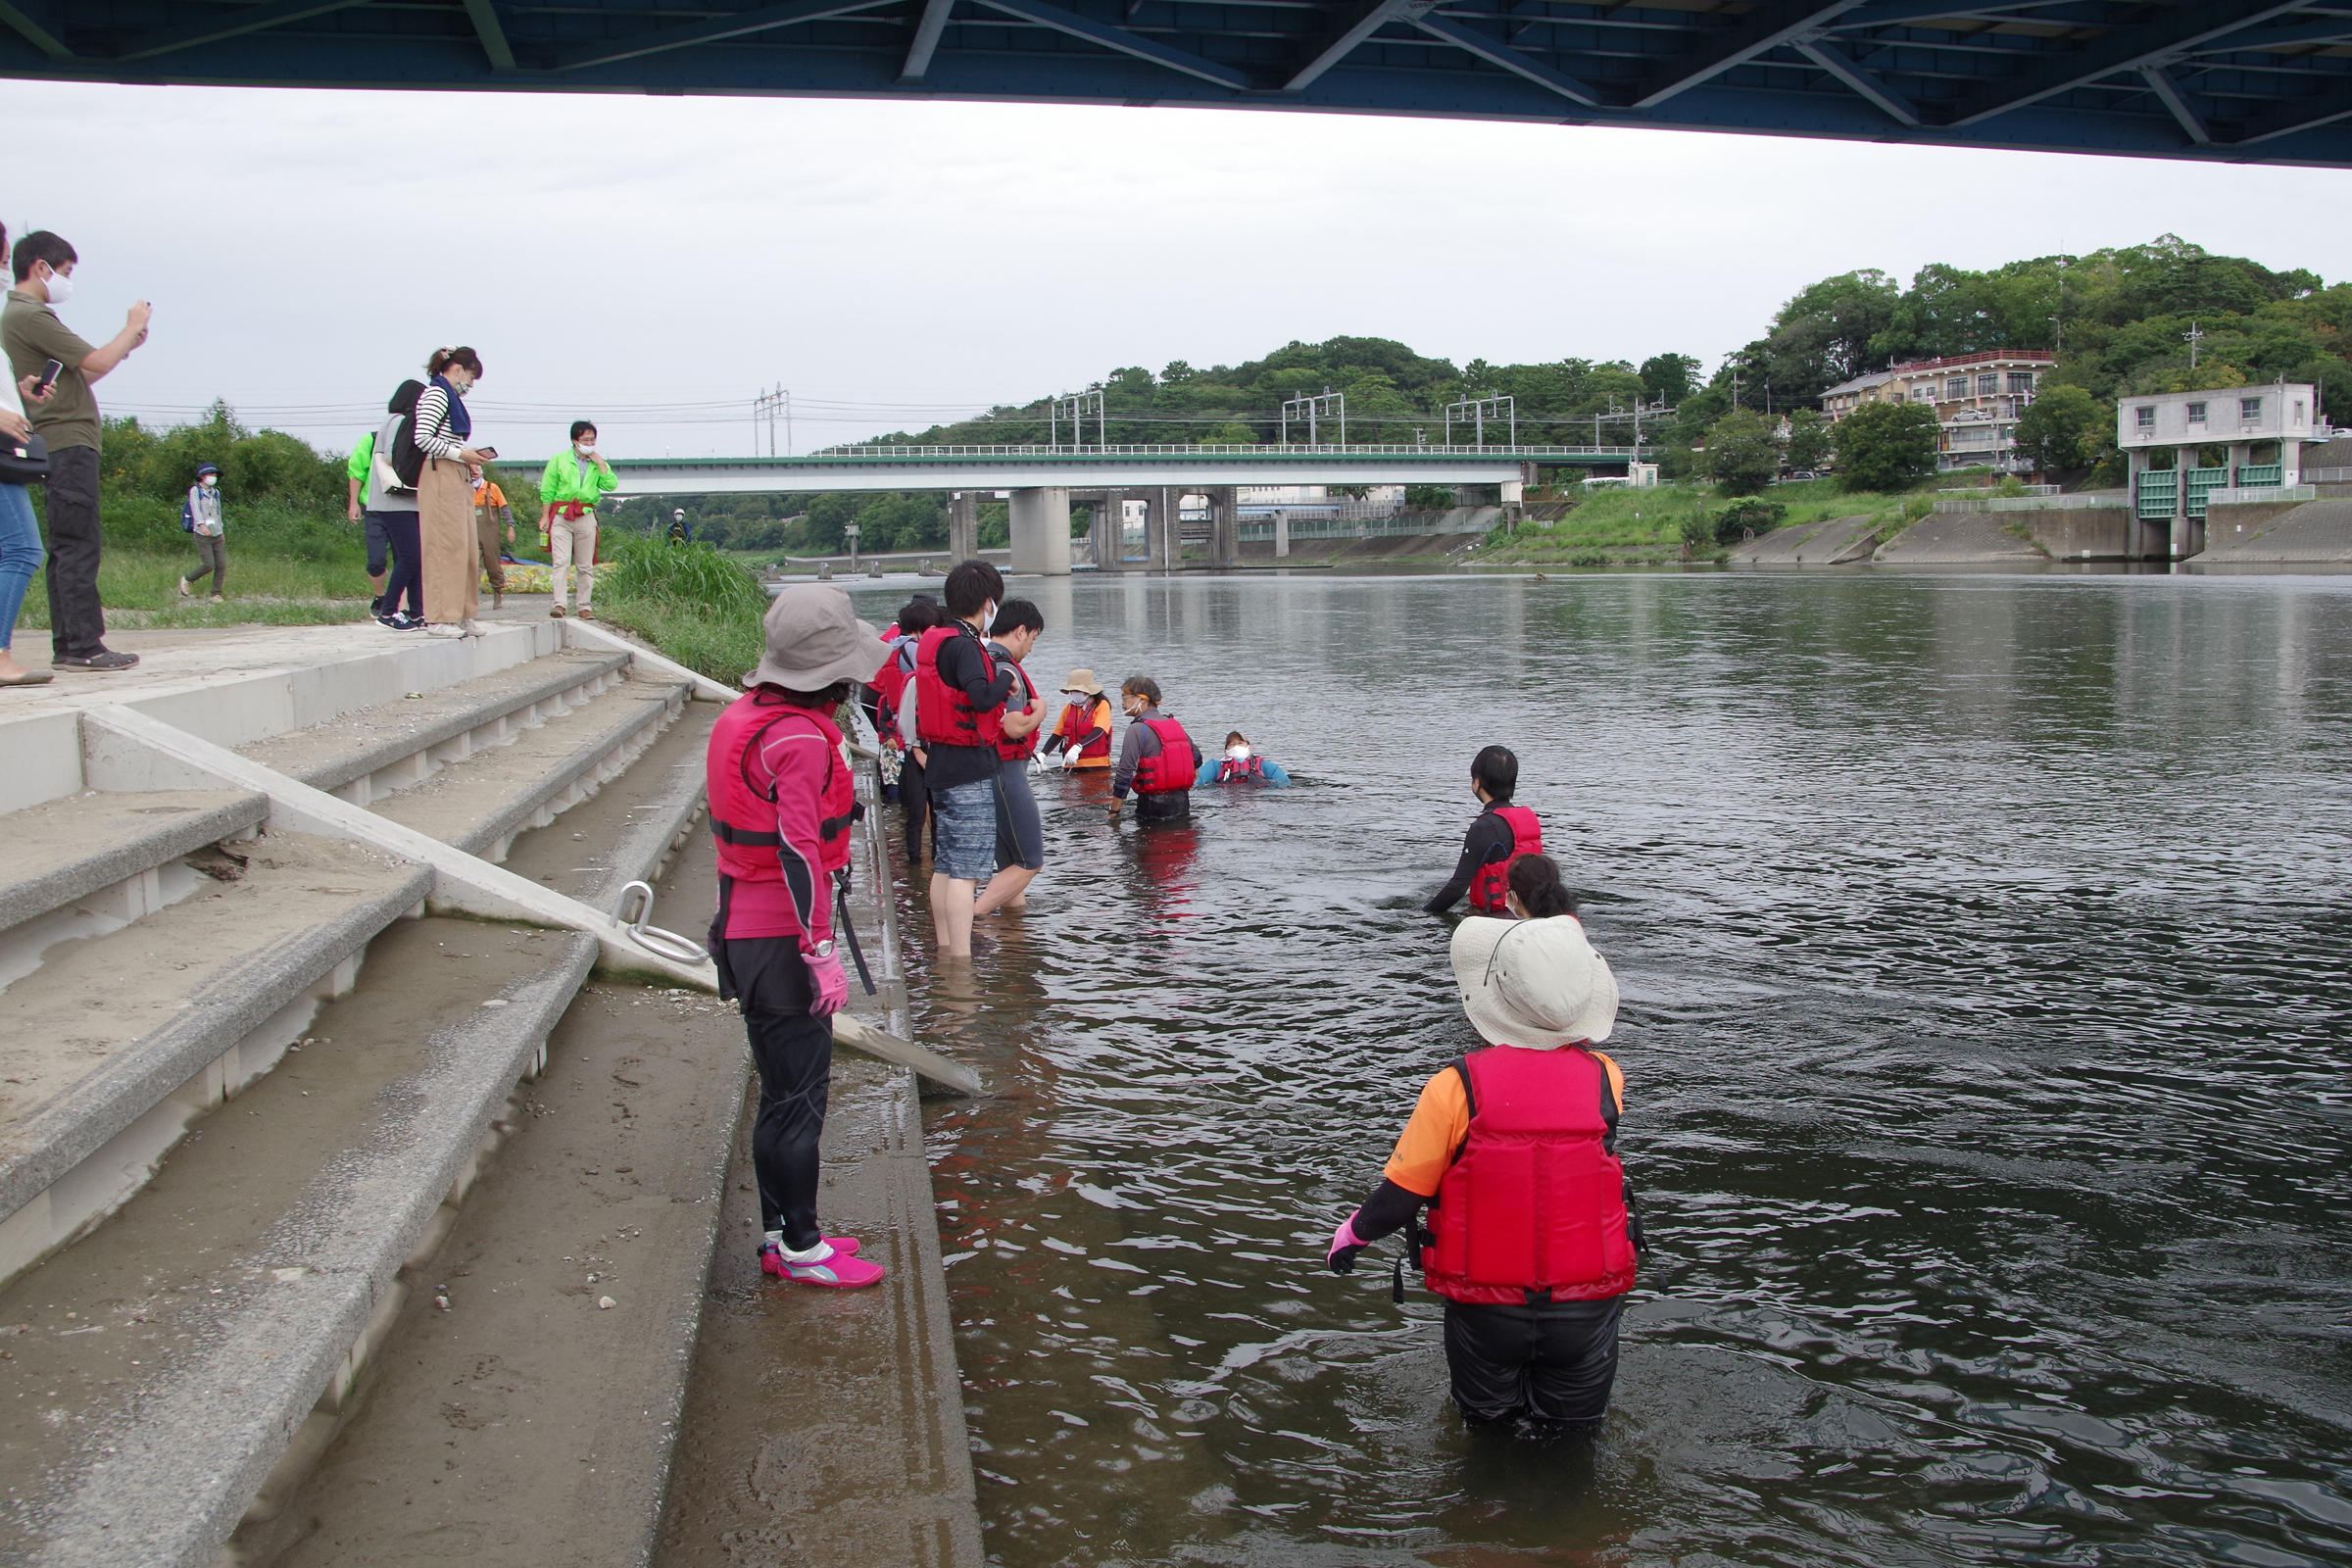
{"points": [[489, 453], [49, 374]]}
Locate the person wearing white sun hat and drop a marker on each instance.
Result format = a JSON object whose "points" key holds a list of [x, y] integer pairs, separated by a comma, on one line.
{"points": [[1531, 1239]]}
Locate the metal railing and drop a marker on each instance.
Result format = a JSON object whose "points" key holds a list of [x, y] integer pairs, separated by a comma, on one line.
{"points": [[1400, 525], [2255, 494], [1267, 449], [2079, 502]]}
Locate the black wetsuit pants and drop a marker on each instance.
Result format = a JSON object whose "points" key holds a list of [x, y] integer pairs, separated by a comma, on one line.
{"points": [[1549, 1363], [915, 799], [794, 1055]]}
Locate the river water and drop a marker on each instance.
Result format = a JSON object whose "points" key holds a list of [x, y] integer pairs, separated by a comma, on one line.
{"points": [[1983, 943]]}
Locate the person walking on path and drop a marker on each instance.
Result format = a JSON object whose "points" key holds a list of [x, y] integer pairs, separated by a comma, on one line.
{"points": [[573, 481], [359, 471], [1082, 732], [959, 691], [1497, 836], [1531, 1238], [392, 517], [1157, 759], [1020, 834], [200, 517], [444, 436], [21, 552], [490, 513], [783, 794], [67, 420]]}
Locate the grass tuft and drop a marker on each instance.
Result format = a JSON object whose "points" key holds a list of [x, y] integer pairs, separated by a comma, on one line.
{"points": [[694, 604]]}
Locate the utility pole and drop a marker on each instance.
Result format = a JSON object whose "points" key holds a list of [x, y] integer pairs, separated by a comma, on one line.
{"points": [[2194, 337], [1477, 410], [1075, 407], [1312, 407], [765, 409]]}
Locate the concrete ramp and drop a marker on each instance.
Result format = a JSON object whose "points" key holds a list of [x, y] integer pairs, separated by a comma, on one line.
{"points": [[2316, 532], [1962, 538], [1823, 542]]}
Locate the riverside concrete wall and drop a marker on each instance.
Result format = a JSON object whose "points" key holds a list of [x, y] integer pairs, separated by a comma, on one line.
{"points": [[1825, 541], [2314, 533]]}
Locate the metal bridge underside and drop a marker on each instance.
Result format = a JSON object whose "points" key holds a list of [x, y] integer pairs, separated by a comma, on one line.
{"points": [[2239, 80]]}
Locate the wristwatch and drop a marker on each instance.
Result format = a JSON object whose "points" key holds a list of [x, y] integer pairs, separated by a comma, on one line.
{"points": [[823, 950]]}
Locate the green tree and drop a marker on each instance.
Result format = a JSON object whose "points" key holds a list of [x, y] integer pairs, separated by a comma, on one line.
{"points": [[1809, 440], [1742, 518], [1885, 446], [1670, 377], [2066, 429], [1741, 456]]}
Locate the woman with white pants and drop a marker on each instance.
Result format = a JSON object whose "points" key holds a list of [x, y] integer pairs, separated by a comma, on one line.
{"points": [[573, 481]]}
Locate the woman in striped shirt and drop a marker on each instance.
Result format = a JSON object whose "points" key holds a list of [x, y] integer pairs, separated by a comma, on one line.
{"points": [[445, 495]]}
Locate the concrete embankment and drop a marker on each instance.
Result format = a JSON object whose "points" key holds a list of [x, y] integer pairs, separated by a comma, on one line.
{"points": [[1953, 538], [1828, 542], [2312, 533]]}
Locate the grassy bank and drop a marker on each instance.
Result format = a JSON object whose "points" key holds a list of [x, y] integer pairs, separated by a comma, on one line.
{"points": [[689, 600], [288, 565], [1648, 527]]}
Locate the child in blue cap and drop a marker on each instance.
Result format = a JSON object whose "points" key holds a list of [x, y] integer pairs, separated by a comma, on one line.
{"points": [[200, 517]]}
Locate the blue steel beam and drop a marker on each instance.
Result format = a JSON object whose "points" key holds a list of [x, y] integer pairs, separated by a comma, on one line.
{"points": [[2077, 75]]}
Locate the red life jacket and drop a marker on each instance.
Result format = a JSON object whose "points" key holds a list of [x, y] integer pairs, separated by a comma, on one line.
{"points": [[1171, 770], [890, 688], [943, 715], [993, 723], [1535, 1200], [1079, 717], [742, 815], [1250, 769], [1491, 881]]}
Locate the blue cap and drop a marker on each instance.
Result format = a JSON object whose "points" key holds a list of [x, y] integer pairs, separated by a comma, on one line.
{"points": [[203, 468]]}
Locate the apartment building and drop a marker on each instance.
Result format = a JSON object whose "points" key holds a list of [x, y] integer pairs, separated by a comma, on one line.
{"points": [[1976, 398]]}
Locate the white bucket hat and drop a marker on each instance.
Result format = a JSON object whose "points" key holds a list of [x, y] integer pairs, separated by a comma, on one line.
{"points": [[1536, 984]]}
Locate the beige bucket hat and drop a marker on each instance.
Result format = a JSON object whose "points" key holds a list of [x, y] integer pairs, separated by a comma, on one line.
{"points": [[1537, 984], [814, 639], [1082, 680]]}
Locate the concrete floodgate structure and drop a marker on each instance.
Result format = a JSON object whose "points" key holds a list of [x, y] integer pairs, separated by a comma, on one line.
{"points": [[291, 1067]]}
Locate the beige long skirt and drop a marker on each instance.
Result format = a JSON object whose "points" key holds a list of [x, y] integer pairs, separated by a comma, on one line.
{"points": [[453, 590]]}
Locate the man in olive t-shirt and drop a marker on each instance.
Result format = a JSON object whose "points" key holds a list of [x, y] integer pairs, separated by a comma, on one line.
{"points": [[67, 420]]}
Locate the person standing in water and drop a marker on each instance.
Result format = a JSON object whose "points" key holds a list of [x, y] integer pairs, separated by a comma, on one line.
{"points": [[958, 692], [1020, 834], [783, 795], [1082, 731], [1497, 836], [1531, 1238], [1157, 759]]}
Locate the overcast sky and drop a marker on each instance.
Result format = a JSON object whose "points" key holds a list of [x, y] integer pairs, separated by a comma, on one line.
{"points": [[893, 263]]}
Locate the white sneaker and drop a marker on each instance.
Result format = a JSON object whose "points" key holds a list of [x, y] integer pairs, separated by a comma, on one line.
{"points": [[470, 628], [442, 628]]}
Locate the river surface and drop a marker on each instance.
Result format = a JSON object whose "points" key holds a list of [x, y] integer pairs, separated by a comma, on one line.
{"points": [[1983, 943]]}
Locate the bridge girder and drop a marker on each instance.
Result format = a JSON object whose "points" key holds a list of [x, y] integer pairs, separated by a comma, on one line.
{"points": [[2237, 80]]}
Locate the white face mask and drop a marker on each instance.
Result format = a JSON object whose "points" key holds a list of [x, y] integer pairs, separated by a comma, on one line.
{"points": [[209, 480], [1239, 753], [60, 286], [584, 448]]}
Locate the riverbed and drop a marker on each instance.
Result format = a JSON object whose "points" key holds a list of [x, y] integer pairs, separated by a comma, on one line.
{"points": [[1984, 950]]}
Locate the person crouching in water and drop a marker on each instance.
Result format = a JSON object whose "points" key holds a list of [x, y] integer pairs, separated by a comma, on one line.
{"points": [[783, 795], [1498, 837], [1514, 1149], [1239, 763], [1157, 759]]}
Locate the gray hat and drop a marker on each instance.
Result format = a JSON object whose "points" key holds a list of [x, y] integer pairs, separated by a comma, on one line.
{"points": [[1537, 984], [814, 639]]}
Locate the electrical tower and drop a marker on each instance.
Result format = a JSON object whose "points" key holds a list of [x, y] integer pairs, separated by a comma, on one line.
{"points": [[1075, 407], [1314, 407], [1476, 411]]}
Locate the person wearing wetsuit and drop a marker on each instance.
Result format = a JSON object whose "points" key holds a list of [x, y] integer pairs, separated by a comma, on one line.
{"points": [[1161, 780], [1498, 834], [1530, 1236]]}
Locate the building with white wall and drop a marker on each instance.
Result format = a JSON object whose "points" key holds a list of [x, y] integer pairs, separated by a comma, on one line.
{"points": [[2184, 447], [1977, 399]]}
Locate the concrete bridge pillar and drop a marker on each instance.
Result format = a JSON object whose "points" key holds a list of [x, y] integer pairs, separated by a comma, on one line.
{"points": [[1159, 530], [1224, 527], [1101, 537], [1282, 532], [963, 526], [1041, 531]]}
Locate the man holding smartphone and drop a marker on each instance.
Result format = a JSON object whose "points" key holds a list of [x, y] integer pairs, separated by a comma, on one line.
{"points": [[67, 420]]}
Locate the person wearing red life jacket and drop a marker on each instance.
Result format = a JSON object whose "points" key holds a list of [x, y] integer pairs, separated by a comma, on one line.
{"points": [[1240, 764], [1497, 836], [958, 693], [1157, 759], [1020, 834], [1531, 1238], [1082, 733], [891, 687], [783, 794]]}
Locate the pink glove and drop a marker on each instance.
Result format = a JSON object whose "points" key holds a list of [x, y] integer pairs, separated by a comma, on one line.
{"points": [[832, 986], [1344, 1245]]}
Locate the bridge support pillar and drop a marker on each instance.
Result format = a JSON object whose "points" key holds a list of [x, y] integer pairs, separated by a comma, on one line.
{"points": [[1282, 532], [963, 528], [1041, 530], [1224, 528], [1159, 527]]}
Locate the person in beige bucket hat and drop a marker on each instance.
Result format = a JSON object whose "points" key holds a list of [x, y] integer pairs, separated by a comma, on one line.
{"points": [[783, 796], [1513, 1148], [1082, 730]]}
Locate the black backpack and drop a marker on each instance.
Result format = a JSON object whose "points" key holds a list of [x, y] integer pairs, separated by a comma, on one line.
{"points": [[407, 457]]}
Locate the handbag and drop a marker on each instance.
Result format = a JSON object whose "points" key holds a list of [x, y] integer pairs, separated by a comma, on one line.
{"points": [[23, 462]]}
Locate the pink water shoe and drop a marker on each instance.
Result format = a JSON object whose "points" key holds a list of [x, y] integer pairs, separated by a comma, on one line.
{"points": [[838, 1266]]}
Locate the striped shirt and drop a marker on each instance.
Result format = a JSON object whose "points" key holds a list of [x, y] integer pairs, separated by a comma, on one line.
{"points": [[436, 437]]}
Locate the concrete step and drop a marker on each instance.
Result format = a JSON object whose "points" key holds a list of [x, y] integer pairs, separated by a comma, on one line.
{"points": [[239, 1298], [117, 1040]]}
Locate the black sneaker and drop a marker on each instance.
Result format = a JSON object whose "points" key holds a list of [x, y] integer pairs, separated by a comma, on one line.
{"points": [[103, 660], [376, 605]]}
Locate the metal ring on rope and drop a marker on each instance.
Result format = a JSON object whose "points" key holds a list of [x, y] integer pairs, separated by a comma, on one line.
{"points": [[652, 939]]}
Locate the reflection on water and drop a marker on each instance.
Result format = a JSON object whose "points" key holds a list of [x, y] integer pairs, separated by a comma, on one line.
{"points": [[1985, 954]]}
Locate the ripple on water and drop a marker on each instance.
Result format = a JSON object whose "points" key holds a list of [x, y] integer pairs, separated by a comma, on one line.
{"points": [[1985, 954]]}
